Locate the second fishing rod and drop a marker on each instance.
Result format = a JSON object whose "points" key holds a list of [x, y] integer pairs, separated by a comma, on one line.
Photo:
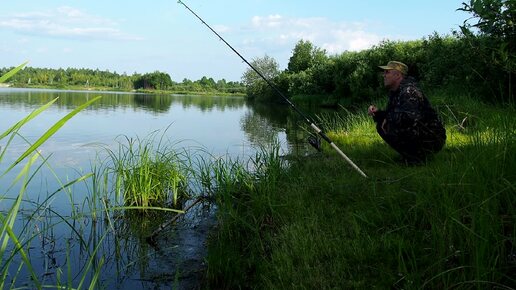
{"points": [[305, 117]]}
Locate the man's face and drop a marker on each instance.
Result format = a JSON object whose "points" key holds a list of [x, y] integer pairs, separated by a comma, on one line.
{"points": [[391, 79]]}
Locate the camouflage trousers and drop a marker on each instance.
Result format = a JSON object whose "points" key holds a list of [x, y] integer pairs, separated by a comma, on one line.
{"points": [[417, 142]]}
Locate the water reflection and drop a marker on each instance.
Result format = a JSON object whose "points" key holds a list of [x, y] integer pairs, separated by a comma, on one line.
{"points": [[152, 102], [156, 103]]}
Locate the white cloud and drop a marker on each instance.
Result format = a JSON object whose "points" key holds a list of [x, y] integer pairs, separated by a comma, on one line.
{"points": [[333, 36], [23, 40], [65, 22], [271, 21], [221, 28], [351, 38], [42, 50]]}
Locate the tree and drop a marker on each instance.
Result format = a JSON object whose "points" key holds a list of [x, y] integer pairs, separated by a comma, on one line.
{"points": [[494, 17], [256, 87], [301, 58], [496, 20], [304, 56], [156, 80], [266, 65], [207, 83]]}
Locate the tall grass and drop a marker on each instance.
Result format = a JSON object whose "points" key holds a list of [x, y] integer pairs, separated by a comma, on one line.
{"points": [[149, 172], [449, 224], [242, 191]]}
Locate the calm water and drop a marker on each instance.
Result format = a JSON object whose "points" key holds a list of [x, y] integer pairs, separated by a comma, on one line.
{"points": [[220, 125]]}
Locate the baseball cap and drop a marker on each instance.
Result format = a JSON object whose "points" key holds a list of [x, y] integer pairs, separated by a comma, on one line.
{"points": [[395, 65]]}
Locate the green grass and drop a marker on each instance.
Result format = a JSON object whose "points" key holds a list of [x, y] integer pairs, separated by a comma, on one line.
{"points": [[320, 225]]}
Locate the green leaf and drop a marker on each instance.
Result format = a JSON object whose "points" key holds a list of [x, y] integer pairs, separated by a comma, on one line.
{"points": [[25, 120], [12, 72], [52, 131], [7, 222]]}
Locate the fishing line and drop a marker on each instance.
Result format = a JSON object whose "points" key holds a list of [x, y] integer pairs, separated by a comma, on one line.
{"points": [[308, 120]]}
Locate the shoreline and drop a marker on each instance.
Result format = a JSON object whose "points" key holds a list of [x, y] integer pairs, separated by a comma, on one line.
{"points": [[113, 90]]}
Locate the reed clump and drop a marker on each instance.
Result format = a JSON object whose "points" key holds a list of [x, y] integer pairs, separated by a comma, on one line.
{"points": [[149, 173]]}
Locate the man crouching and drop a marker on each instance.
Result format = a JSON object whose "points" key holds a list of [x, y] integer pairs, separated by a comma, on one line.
{"points": [[409, 124]]}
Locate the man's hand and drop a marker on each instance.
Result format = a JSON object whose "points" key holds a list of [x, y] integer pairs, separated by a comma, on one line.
{"points": [[372, 110]]}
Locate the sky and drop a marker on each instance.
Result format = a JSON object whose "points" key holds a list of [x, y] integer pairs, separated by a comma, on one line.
{"points": [[146, 36]]}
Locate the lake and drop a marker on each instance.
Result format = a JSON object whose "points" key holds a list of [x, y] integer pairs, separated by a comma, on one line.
{"points": [[63, 233]]}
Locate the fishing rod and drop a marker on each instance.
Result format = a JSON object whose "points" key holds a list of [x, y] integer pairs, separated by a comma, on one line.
{"points": [[308, 120]]}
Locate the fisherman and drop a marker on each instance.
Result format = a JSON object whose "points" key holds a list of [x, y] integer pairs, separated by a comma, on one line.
{"points": [[409, 124]]}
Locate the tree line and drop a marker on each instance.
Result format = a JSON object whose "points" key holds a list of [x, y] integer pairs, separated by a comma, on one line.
{"points": [[89, 78], [479, 59]]}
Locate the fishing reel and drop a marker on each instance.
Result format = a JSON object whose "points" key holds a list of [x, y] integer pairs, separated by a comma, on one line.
{"points": [[315, 141]]}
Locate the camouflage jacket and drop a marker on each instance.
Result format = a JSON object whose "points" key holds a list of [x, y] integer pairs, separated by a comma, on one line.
{"points": [[408, 111]]}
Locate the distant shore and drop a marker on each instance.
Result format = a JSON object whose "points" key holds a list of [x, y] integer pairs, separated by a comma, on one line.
{"points": [[111, 89]]}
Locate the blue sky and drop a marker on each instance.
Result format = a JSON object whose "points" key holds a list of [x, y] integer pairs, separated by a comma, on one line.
{"points": [[145, 36]]}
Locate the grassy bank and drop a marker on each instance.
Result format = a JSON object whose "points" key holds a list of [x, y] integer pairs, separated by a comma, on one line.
{"points": [[320, 225]]}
